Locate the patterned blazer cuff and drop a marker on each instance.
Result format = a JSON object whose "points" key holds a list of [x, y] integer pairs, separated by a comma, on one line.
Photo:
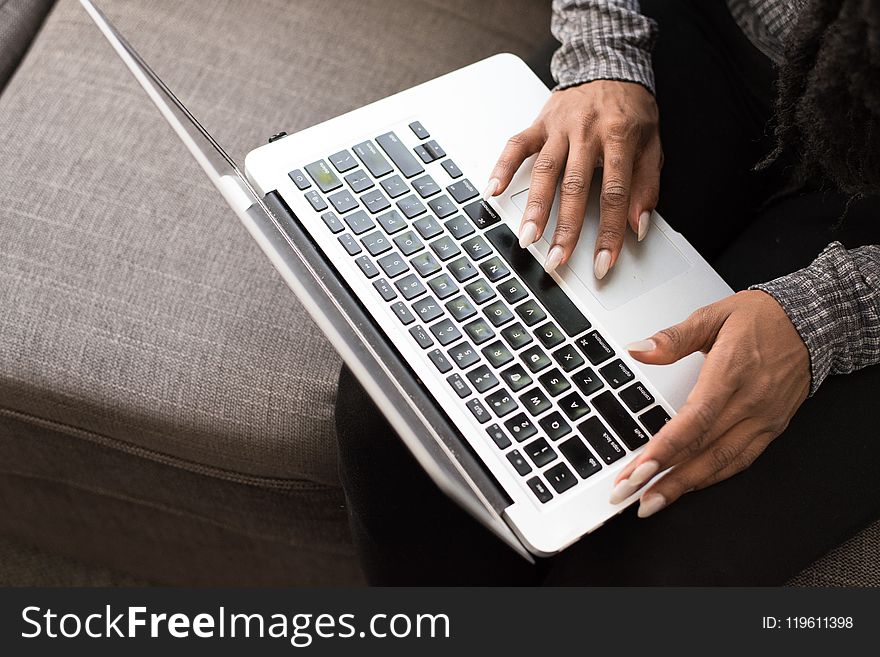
{"points": [[633, 66]]}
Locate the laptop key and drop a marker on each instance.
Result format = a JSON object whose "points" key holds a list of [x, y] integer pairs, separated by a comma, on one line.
{"points": [[512, 291], [498, 313], [424, 154], [516, 336], [655, 419], [494, 268], [595, 348], [445, 248], [460, 308], [620, 421], [371, 158], [435, 150], [332, 222], [425, 263], [428, 227], [350, 244], [392, 222], [384, 288], [462, 191], [376, 243], [419, 130], [451, 168], [497, 354], [410, 287], [543, 286], [480, 291], [393, 265], [421, 336], [479, 331], [359, 181], [427, 308], [443, 286], [445, 331], [299, 179], [375, 201], [498, 436], [530, 312], [568, 358], [442, 206], [636, 397], [476, 247], [425, 186], [411, 206], [574, 406], [580, 457], [367, 267], [521, 427], [501, 403], [554, 425], [616, 373], [535, 401], [482, 214], [549, 335], [463, 269], [459, 227], [560, 477], [403, 313], [394, 186], [342, 161], [318, 204], [540, 452], [479, 411], [458, 384], [601, 440], [464, 355], [516, 377], [519, 463], [323, 176], [587, 381], [540, 489], [535, 359], [440, 361], [400, 155], [408, 243], [359, 222], [343, 201], [554, 382], [482, 378]]}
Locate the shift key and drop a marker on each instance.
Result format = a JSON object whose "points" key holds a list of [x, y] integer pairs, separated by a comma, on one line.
{"points": [[398, 152]]}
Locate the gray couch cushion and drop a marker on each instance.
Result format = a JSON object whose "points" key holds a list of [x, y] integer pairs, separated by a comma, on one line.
{"points": [[135, 306], [19, 21]]}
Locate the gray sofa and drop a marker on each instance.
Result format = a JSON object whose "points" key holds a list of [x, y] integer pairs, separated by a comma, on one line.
{"points": [[165, 404]]}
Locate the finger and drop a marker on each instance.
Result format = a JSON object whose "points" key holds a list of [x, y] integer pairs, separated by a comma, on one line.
{"points": [[696, 333], [731, 454], [645, 189], [542, 189], [573, 193], [518, 148], [613, 203]]}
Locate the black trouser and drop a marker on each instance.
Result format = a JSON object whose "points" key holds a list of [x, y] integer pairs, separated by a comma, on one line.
{"points": [[815, 485]]}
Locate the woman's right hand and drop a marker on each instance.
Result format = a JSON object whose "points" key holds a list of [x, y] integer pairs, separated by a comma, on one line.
{"points": [[604, 121]]}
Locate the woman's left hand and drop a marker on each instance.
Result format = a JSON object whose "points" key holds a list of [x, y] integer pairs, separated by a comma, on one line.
{"points": [[755, 376]]}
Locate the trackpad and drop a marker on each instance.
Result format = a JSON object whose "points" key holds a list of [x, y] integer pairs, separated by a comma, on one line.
{"points": [[641, 266]]}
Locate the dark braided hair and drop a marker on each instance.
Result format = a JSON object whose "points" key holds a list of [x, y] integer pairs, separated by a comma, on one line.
{"points": [[828, 102]]}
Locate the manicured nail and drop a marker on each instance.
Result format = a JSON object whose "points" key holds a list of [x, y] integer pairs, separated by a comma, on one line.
{"points": [[637, 479], [622, 490], [651, 504], [641, 345], [602, 263], [528, 232], [554, 259], [491, 188], [644, 224]]}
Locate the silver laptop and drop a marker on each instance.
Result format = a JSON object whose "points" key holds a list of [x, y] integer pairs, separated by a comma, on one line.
{"points": [[509, 386]]}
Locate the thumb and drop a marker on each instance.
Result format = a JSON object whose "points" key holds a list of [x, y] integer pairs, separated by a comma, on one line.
{"points": [[696, 333]]}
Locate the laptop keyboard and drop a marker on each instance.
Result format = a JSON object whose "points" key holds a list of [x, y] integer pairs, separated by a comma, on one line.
{"points": [[552, 395]]}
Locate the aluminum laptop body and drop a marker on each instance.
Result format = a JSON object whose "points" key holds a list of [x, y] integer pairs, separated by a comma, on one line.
{"points": [[361, 300]]}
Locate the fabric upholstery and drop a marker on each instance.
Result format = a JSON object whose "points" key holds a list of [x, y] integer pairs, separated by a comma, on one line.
{"points": [[19, 21]]}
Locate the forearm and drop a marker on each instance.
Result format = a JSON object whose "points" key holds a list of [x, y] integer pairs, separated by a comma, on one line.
{"points": [[835, 306], [602, 40]]}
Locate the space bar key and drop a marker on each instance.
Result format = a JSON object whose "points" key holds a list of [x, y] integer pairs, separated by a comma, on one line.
{"points": [[539, 282]]}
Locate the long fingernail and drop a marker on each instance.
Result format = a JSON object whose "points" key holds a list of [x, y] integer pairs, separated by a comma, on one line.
{"points": [[491, 188], [527, 234], [621, 491], [641, 345], [644, 224], [651, 504], [637, 479], [602, 263], [554, 259]]}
